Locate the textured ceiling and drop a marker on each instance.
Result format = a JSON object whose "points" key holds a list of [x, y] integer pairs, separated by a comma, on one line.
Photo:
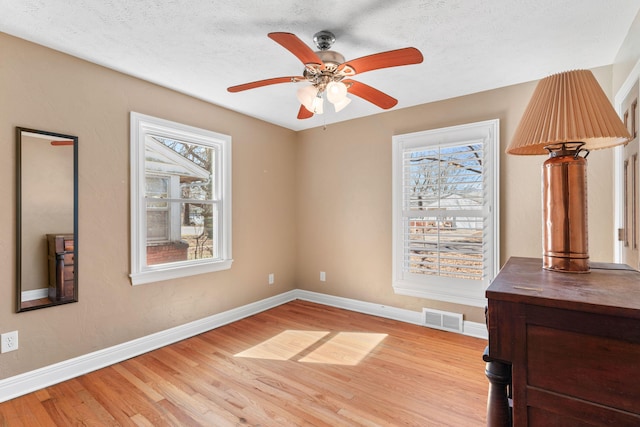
{"points": [[201, 47]]}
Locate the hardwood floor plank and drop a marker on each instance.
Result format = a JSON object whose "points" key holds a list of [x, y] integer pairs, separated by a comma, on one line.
{"points": [[298, 364], [138, 383], [175, 415], [101, 416], [178, 392], [9, 416], [274, 400], [37, 415]]}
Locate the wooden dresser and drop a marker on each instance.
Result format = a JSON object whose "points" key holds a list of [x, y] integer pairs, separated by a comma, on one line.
{"points": [[61, 267], [573, 343]]}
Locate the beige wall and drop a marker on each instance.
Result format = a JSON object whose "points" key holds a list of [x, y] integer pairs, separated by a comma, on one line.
{"points": [[317, 200], [628, 55], [43, 89], [344, 196]]}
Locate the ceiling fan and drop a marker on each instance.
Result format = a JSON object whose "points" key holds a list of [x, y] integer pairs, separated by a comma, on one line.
{"points": [[328, 73]]}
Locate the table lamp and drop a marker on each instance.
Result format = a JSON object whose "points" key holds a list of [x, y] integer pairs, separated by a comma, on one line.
{"points": [[567, 116]]}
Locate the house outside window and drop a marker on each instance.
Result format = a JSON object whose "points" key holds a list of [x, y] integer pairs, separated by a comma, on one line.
{"points": [[180, 200], [445, 212]]}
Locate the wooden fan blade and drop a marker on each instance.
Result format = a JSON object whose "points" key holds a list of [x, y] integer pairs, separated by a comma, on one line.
{"points": [[303, 113], [293, 44], [266, 82], [370, 94], [391, 58]]}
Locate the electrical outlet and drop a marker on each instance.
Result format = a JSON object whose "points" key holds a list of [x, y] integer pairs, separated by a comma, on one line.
{"points": [[9, 341], [323, 276], [272, 278]]}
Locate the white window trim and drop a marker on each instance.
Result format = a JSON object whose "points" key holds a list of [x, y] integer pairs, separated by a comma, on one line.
{"points": [[437, 288], [142, 125]]}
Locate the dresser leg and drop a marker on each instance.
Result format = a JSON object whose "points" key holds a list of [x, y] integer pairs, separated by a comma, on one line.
{"points": [[499, 375]]}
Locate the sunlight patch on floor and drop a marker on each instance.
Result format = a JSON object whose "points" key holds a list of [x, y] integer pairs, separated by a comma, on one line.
{"points": [[346, 348], [284, 346], [342, 348]]}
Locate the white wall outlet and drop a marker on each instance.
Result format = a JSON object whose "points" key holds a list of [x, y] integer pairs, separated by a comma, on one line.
{"points": [[323, 276], [272, 278], [9, 341]]}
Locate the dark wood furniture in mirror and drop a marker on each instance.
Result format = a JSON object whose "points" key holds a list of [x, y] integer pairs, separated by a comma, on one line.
{"points": [[46, 219], [61, 267], [572, 341]]}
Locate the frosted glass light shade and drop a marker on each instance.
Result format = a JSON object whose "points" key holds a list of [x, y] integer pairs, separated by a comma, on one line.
{"points": [[311, 98], [306, 95], [336, 92], [340, 105], [568, 107]]}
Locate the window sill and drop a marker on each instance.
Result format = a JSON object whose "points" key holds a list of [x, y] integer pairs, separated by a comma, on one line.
{"points": [[465, 295], [151, 276]]}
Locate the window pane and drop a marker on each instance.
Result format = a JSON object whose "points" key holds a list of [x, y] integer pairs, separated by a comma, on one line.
{"points": [[179, 229], [445, 183], [201, 231], [449, 247], [447, 178], [195, 236]]}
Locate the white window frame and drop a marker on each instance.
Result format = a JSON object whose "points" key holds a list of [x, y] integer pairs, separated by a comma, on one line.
{"points": [[141, 127], [448, 289]]}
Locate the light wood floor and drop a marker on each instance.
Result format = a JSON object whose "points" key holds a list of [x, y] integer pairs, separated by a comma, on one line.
{"points": [[299, 364]]}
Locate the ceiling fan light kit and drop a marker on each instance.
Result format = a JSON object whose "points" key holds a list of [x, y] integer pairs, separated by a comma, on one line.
{"points": [[336, 92], [339, 106], [327, 70], [306, 95]]}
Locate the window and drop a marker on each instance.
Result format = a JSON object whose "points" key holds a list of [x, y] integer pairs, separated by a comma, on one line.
{"points": [[445, 212], [180, 200]]}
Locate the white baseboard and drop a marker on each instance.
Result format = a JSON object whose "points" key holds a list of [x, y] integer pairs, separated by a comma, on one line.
{"points": [[473, 329], [379, 310], [28, 382]]}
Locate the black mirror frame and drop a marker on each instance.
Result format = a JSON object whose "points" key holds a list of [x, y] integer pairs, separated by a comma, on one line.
{"points": [[19, 258]]}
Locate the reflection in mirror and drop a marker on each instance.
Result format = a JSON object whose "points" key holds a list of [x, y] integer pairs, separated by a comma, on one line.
{"points": [[47, 226]]}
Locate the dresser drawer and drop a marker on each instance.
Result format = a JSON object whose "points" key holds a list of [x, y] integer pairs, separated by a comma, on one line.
{"points": [[565, 362], [69, 259], [67, 289], [69, 272]]}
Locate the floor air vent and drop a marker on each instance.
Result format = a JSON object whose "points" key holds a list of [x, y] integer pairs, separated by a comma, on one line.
{"points": [[442, 320]]}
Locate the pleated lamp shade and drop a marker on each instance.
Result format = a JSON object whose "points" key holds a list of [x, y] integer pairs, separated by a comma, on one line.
{"points": [[568, 107]]}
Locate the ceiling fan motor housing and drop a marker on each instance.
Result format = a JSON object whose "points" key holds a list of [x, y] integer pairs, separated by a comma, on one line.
{"points": [[331, 58]]}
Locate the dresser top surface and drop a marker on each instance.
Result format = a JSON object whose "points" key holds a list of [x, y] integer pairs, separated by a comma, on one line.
{"points": [[607, 286]]}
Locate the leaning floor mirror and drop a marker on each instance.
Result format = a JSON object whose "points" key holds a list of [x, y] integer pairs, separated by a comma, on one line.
{"points": [[46, 219]]}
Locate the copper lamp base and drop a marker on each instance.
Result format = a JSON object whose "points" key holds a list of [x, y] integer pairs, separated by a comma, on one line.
{"points": [[564, 205], [565, 264]]}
